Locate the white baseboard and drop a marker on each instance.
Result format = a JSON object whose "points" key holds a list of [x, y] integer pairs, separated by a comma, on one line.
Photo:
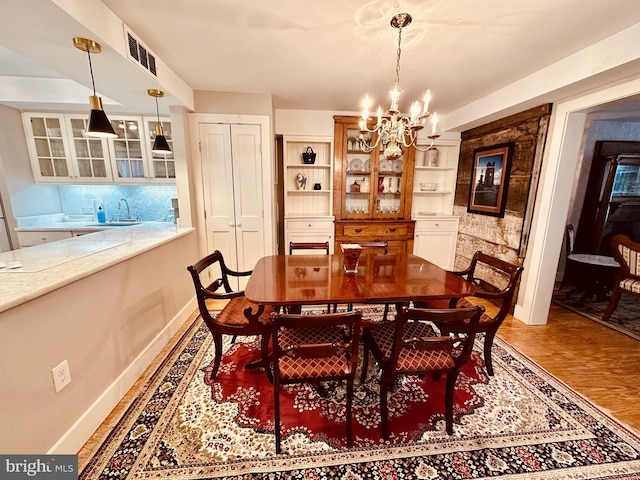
{"points": [[74, 438]]}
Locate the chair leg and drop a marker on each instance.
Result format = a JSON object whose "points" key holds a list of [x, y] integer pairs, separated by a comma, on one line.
{"points": [[613, 304], [264, 345], [217, 344], [448, 400], [384, 406], [276, 410], [365, 362], [349, 411], [386, 312], [488, 343]]}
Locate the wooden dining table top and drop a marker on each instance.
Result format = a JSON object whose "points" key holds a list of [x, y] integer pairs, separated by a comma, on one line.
{"points": [[320, 279]]}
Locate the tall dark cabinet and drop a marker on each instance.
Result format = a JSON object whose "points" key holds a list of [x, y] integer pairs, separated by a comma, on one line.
{"points": [[612, 199]]}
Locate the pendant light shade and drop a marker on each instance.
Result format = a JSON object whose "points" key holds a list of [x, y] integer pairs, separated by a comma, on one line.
{"points": [[160, 144], [99, 125]]}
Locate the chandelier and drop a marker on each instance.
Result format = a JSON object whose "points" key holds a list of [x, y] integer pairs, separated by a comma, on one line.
{"points": [[394, 130]]}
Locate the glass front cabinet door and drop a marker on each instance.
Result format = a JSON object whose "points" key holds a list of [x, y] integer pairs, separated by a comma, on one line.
{"points": [[90, 155], [48, 147], [367, 184], [127, 150], [161, 166]]}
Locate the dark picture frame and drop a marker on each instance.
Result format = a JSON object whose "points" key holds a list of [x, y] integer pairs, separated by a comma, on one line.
{"points": [[490, 179]]}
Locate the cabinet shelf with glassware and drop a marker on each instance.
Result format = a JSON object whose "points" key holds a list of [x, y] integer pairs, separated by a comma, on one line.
{"points": [[370, 190], [308, 192], [435, 178]]}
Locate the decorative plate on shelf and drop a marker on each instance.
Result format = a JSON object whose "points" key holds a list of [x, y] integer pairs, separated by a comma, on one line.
{"points": [[397, 166], [356, 164], [367, 165], [385, 165]]}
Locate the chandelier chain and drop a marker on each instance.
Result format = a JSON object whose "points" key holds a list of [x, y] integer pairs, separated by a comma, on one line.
{"points": [[398, 52]]}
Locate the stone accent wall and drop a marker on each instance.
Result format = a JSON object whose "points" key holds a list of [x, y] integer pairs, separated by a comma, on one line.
{"points": [[506, 237]]}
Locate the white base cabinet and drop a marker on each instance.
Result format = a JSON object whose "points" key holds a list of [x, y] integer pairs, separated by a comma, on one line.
{"points": [[435, 239], [308, 229]]}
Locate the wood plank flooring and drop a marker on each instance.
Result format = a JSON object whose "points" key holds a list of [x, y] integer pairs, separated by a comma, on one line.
{"points": [[598, 362]]}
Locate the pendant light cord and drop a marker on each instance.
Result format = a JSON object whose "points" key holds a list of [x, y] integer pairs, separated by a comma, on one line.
{"points": [[157, 111], [93, 83]]}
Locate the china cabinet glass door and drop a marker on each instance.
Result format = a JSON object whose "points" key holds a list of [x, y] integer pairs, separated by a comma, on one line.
{"points": [[90, 154]]}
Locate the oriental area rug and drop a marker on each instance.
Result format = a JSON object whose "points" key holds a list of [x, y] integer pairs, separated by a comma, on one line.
{"points": [[520, 424]]}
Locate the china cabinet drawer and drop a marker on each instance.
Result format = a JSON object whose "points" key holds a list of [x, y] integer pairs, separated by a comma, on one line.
{"points": [[383, 231]]}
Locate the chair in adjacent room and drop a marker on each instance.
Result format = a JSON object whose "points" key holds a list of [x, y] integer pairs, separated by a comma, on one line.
{"points": [[235, 318], [410, 346], [305, 246], [312, 349], [571, 267], [495, 280], [627, 253]]}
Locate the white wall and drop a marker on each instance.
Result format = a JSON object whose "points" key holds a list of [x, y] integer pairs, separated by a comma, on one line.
{"points": [[109, 326]]}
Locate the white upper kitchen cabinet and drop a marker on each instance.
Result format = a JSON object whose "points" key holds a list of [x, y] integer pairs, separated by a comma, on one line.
{"points": [[90, 156], [61, 153], [161, 166], [48, 145], [128, 150]]}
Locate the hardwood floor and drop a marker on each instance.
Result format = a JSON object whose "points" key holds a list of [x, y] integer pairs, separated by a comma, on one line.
{"points": [[598, 362]]}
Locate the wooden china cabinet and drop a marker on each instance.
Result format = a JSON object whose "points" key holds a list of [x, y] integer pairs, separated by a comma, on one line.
{"points": [[372, 194]]}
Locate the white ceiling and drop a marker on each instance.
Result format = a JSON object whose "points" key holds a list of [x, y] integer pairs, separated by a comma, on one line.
{"points": [[308, 54]]}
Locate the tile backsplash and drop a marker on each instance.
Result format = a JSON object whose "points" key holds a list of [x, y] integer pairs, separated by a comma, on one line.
{"points": [[148, 202]]}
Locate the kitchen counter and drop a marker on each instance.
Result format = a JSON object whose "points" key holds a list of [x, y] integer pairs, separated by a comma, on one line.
{"points": [[50, 266]]}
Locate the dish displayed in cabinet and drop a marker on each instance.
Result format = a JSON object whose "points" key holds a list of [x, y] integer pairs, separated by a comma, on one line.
{"points": [[397, 165], [367, 165], [356, 164], [385, 165]]}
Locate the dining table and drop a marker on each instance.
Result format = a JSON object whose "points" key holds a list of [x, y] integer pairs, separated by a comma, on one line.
{"points": [[392, 278]]}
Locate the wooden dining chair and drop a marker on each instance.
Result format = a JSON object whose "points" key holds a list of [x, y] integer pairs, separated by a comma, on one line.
{"points": [[315, 348], [410, 346], [305, 246], [235, 318], [373, 247], [494, 280], [627, 253]]}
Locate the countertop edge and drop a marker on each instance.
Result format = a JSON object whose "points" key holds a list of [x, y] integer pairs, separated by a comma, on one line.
{"points": [[19, 287]]}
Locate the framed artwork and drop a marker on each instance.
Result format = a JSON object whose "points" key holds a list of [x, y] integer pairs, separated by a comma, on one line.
{"points": [[490, 180]]}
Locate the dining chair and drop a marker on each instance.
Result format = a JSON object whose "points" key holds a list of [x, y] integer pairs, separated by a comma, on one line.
{"points": [[312, 349], [297, 246], [494, 280], [411, 346], [235, 318], [571, 268], [373, 247], [627, 253]]}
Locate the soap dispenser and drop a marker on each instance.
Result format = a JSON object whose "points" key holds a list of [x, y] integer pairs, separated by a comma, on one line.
{"points": [[102, 217]]}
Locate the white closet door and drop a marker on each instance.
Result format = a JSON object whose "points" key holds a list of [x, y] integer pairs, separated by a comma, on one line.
{"points": [[248, 196], [232, 183]]}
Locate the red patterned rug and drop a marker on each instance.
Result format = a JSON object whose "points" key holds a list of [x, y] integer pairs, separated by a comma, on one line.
{"points": [[522, 423]]}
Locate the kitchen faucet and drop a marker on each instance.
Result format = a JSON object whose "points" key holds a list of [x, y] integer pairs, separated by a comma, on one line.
{"points": [[127, 203]]}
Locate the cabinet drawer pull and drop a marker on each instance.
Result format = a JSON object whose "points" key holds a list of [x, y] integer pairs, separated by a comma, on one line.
{"points": [[358, 230], [392, 230]]}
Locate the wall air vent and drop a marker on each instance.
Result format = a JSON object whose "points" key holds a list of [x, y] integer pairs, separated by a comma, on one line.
{"points": [[140, 54]]}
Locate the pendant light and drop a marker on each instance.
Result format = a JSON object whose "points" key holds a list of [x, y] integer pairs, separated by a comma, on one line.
{"points": [[160, 144], [99, 125]]}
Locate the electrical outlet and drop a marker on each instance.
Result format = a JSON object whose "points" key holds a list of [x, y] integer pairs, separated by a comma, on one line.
{"points": [[61, 375]]}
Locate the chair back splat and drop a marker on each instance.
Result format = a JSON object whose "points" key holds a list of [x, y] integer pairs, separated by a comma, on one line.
{"points": [[238, 316], [411, 346], [627, 281], [297, 246], [315, 348]]}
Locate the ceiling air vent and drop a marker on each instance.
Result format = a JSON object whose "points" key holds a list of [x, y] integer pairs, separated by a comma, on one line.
{"points": [[140, 54]]}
